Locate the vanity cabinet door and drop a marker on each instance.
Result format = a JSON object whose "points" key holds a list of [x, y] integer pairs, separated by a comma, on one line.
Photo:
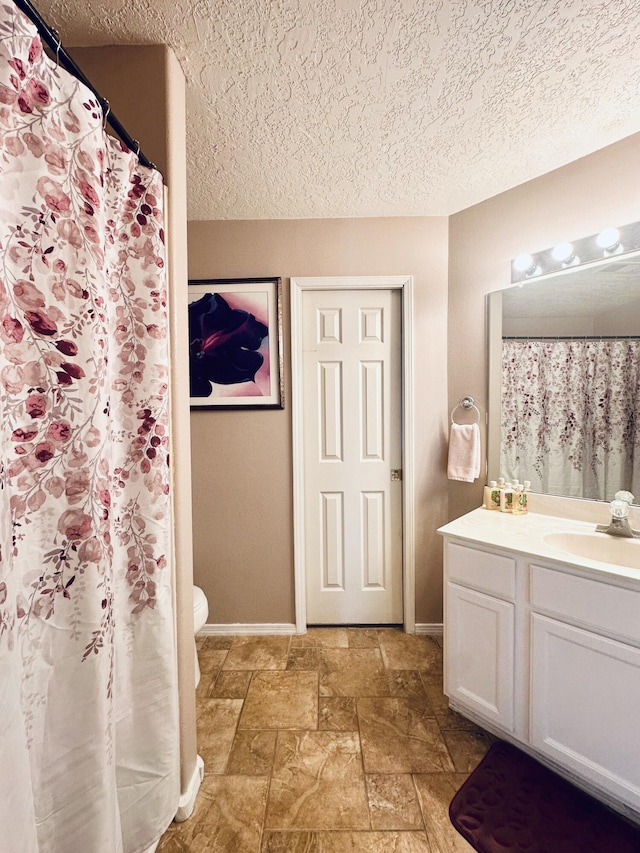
{"points": [[479, 654], [585, 700]]}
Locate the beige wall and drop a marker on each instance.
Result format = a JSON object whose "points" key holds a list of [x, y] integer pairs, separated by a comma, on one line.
{"points": [[243, 550], [242, 460], [578, 200], [111, 69], [242, 466], [158, 121]]}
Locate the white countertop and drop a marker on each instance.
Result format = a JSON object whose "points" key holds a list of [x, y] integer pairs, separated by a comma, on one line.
{"points": [[525, 534]]}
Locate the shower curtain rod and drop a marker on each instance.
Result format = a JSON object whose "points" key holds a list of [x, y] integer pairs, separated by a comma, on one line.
{"points": [[571, 337], [52, 39]]}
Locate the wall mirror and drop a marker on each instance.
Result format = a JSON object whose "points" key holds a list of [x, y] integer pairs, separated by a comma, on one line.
{"points": [[564, 373]]}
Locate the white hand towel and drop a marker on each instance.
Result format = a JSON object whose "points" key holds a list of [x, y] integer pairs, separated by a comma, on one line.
{"points": [[464, 452]]}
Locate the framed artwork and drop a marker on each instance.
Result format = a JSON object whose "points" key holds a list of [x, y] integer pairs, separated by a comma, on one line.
{"points": [[235, 343]]}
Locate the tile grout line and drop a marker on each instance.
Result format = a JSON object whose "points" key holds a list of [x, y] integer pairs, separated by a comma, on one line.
{"points": [[272, 767], [263, 828], [364, 773]]}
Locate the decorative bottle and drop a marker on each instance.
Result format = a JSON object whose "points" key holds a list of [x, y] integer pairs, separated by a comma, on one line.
{"points": [[518, 500], [506, 498], [492, 496]]}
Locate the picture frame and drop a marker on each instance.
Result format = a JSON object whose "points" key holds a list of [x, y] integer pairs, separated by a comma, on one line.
{"points": [[235, 343]]}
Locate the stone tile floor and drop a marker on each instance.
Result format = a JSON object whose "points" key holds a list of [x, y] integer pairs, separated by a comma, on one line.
{"points": [[337, 741]]}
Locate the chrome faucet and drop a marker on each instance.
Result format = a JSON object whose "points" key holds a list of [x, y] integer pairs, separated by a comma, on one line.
{"points": [[619, 524]]}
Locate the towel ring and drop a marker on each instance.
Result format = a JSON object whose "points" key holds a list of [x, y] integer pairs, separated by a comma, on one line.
{"points": [[466, 403]]}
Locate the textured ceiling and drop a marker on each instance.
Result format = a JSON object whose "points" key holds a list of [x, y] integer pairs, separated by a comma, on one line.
{"points": [[330, 108]]}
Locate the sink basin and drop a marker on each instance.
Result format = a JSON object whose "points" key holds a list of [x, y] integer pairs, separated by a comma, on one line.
{"points": [[615, 550]]}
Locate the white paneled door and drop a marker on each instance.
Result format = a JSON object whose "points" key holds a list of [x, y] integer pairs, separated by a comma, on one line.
{"points": [[352, 387]]}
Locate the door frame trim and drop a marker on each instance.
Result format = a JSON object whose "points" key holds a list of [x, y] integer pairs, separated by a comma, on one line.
{"points": [[403, 283]]}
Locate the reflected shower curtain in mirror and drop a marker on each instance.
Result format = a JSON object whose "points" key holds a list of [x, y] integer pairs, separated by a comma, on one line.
{"points": [[88, 697], [570, 415]]}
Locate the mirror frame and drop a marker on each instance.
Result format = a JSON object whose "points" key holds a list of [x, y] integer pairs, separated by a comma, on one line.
{"points": [[545, 266]]}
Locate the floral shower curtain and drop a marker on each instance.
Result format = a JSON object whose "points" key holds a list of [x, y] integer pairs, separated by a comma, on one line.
{"points": [[88, 698], [571, 415]]}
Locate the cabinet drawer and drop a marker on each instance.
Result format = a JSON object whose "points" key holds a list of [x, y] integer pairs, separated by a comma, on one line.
{"points": [[493, 573], [605, 608]]}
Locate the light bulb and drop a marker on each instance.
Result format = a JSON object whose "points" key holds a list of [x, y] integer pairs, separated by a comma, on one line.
{"points": [[609, 240], [526, 264], [523, 262], [563, 252]]}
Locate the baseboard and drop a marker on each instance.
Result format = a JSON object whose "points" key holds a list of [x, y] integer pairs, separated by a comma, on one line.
{"points": [[187, 800], [435, 629], [211, 629]]}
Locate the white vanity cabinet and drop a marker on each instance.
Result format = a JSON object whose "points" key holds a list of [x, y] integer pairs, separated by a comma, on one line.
{"points": [[479, 633], [546, 654], [585, 678]]}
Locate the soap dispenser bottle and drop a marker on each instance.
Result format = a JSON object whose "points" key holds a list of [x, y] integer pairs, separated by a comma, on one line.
{"points": [[515, 485], [500, 487], [518, 502], [506, 498], [492, 496]]}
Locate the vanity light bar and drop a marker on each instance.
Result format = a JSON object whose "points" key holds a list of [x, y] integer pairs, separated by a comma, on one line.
{"points": [[607, 244]]}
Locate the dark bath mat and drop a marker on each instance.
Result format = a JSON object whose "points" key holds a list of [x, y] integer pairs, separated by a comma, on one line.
{"points": [[512, 804]]}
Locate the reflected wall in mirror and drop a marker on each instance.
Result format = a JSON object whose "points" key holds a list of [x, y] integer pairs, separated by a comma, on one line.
{"points": [[564, 381]]}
